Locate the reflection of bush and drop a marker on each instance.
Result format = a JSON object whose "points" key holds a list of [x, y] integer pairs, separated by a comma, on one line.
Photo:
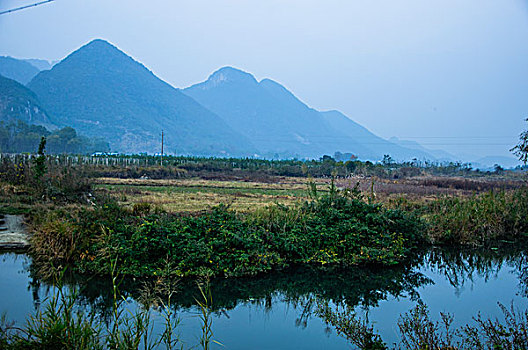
{"points": [[419, 331], [354, 286]]}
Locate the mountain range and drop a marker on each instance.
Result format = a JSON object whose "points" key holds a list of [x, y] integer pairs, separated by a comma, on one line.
{"points": [[281, 125], [101, 91]]}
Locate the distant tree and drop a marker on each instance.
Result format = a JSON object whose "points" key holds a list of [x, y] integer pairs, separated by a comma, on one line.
{"points": [[498, 169], [387, 160], [521, 150], [327, 158], [352, 165], [40, 161]]}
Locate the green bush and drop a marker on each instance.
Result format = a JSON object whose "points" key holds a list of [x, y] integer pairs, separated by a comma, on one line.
{"points": [[336, 229]]}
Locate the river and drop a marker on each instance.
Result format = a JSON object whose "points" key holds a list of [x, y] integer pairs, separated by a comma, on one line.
{"points": [[276, 311]]}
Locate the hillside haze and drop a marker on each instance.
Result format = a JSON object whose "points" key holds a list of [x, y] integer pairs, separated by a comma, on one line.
{"points": [[100, 91], [19, 103], [376, 146], [280, 124], [18, 70]]}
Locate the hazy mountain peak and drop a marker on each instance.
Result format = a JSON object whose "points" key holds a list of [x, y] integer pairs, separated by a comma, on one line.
{"points": [[100, 43], [229, 75], [101, 91], [97, 47], [99, 54], [272, 84]]}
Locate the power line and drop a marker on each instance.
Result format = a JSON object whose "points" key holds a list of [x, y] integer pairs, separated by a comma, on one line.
{"points": [[25, 7]]}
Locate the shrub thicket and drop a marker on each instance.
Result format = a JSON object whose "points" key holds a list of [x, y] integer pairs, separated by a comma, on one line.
{"points": [[336, 229]]}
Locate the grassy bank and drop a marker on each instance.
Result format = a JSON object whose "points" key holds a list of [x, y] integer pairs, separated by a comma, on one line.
{"points": [[335, 228], [61, 324], [489, 218]]}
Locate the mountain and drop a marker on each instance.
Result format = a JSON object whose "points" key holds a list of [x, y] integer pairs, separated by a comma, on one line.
{"points": [[377, 146], [268, 114], [487, 163], [18, 70], [40, 64], [100, 91], [439, 154], [19, 103], [279, 123]]}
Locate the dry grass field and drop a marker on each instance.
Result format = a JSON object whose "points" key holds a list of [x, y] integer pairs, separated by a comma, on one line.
{"points": [[194, 195]]}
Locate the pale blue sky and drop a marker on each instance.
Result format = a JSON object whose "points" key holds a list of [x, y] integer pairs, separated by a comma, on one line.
{"points": [[450, 74]]}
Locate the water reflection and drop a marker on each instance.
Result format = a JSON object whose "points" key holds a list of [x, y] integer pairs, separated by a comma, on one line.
{"points": [[359, 286], [303, 289], [364, 287], [461, 266]]}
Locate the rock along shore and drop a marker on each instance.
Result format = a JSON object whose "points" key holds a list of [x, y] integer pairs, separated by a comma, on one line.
{"points": [[13, 234]]}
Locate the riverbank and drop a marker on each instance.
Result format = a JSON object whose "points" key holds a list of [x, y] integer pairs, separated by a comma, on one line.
{"points": [[13, 234]]}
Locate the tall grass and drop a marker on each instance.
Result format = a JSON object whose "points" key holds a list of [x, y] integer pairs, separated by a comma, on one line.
{"points": [[479, 220], [59, 325]]}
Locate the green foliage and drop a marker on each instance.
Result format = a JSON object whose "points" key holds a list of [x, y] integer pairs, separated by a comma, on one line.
{"points": [[141, 209], [40, 161], [480, 219], [334, 229], [521, 149], [17, 136]]}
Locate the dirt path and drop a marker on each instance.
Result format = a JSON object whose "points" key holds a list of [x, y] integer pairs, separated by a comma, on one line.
{"points": [[13, 235]]}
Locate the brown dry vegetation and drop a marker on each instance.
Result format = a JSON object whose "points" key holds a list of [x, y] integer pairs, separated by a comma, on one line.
{"points": [[198, 194], [194, 195]]}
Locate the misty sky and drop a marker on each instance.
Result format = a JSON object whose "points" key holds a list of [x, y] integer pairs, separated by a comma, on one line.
{"points": [[450, 74]]}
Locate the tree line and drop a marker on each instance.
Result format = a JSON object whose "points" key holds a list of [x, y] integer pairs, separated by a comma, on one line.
{"points": [[19, 137]]}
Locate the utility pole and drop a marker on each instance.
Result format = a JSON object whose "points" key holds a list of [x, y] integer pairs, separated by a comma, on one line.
{"points": [[162, 147]]}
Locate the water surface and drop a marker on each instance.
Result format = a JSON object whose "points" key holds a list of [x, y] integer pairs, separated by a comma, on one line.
{"points": [[277, 311]]}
